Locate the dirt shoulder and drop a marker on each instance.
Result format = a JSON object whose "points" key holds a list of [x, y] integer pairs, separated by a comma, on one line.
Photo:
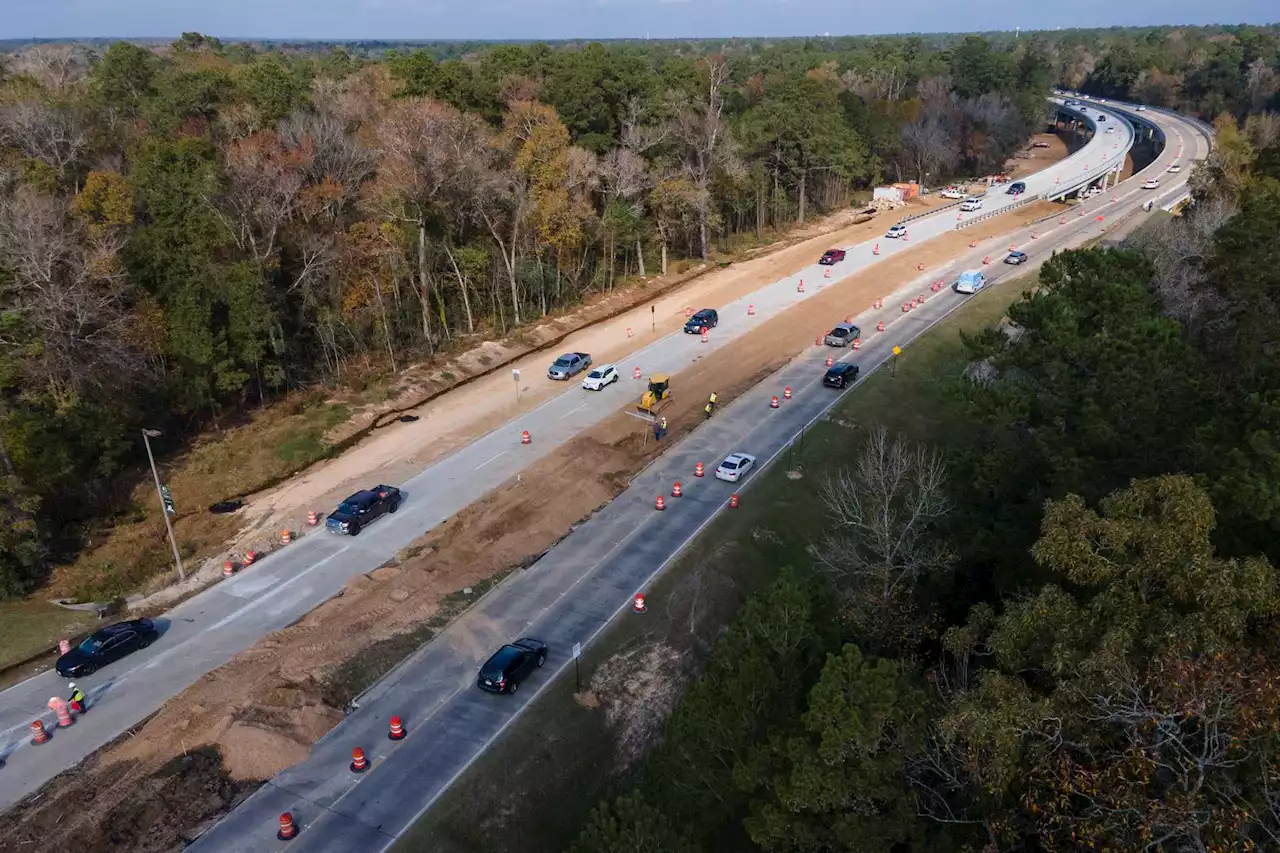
{"points": [[262, 711]]}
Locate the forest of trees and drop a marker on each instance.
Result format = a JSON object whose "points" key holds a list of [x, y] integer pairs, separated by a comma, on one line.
{"points": [[1059, 630], [191, 231]]}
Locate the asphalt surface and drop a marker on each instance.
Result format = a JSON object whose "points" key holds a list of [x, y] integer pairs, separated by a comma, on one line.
{"points": [[211, 628], [579, 586]]}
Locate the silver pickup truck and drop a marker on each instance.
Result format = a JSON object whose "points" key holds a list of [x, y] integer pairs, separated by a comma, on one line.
{"points": [[569, 365]]}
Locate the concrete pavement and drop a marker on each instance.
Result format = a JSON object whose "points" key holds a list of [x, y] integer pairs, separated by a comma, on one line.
{"points": [[216, 625], [570, 596]]}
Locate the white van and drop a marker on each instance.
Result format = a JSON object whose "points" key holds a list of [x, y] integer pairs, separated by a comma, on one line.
{"points": [[970, 281]]}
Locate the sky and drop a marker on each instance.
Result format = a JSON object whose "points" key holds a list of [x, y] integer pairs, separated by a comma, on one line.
{"points": [[559, 19]]}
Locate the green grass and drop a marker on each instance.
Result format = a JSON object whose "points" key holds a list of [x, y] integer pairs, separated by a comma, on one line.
{"points": [[307, 443], [561, 755], [29, 627]]}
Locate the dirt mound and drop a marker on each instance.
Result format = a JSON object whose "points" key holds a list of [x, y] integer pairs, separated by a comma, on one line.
{"points": [[639, 689]]}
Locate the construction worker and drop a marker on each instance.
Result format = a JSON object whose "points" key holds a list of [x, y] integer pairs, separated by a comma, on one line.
{"points": [[76, 702], [711, 404]]}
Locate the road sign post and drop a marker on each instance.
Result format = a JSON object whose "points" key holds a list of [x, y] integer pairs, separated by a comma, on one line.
{"points": [[653, 320], [577, 680], [515, 376], [893, 368]]}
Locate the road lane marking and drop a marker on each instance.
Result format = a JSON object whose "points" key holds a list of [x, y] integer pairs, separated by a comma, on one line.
{"points": [[571, 411], [487, 461]]}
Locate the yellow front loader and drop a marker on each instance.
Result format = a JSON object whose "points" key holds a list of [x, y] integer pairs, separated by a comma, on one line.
{"points": [[658, 395]]}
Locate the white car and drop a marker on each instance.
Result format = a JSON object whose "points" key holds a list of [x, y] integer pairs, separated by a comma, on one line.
{"points": [[953, 192], [1111, 130], [1174, 167], [599, 377], [971, 204], [897, 231], [735, 466], [1141, 108], [1093, 190], [1151, 184]]}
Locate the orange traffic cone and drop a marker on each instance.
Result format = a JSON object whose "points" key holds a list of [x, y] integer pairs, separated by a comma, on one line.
{"points": [[875, 250], [249, 557], [675, 490], [359, 763], [635, 374], [857, 344], [733, 501], [773, 403], [312, 519], [285, 536], [525, 438], [786, 393], [38, 734], [751, 310], [830, 361], [880, 326], [704, 335], [228, 569], [287, 829], [638, 603], [397, 729], [660, 504], [698, 470], [800, 286]]}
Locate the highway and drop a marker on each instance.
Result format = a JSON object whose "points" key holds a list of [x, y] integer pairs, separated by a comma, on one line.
{"points": [[211, 628], [571, 595]]}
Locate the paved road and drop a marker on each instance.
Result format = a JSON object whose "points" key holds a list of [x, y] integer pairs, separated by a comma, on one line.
{"points": [[567, 597], [211, 628]]}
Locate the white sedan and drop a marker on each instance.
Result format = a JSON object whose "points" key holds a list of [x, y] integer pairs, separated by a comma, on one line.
{"points": [[735, 466], [1175, 168], [1151, 184], [600, 376]]}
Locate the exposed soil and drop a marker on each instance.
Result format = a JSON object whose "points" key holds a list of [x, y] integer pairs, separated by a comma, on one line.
{"points": [[1032, 159], [263, 710]]}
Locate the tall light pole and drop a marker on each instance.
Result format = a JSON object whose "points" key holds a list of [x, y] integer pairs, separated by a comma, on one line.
{"points": [[166, 501]]}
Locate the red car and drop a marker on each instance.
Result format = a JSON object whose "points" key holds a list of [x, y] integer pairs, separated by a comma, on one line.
{"points": [[832, 256]]}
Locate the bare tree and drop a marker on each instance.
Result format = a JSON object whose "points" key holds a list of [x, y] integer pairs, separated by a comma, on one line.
{"points": [[701, 128], [929, 146], [881, 537], [1263, 129], [1177, 249], [55, 66], [329, 157], [264, 180], [53, 135], [1260, 83], [69, 291]]}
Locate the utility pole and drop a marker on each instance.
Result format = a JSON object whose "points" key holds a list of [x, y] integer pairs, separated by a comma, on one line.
{"points": [[166, 501]]}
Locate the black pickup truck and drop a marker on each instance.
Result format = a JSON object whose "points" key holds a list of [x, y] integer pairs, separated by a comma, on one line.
{"points": [[361, 508]]}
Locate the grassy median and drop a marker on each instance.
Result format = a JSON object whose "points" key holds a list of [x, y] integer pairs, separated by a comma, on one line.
{"points": [[587, 733]]}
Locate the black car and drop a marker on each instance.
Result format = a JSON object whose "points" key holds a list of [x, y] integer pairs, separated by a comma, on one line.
{"points": [[841, 375], [1016, 258], [707, 318], [1016, 188], [363, 507], [510, 664], [102, 647]]}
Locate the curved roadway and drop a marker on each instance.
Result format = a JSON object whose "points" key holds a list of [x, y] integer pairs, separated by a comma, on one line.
{"points": [[211, 628]]}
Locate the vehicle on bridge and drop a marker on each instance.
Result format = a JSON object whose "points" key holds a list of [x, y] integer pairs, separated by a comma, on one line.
{"points": [[106, 645], [970, 281], [1151, 184], [657, 396], [1141, 108], [831, 256], [569, 365], [842, 335], [363, 507], [1016, 188], [971, 204], [1174, 167], [707, 318], [600, 377], [840, 375], [511, 664], [1015, 258]]}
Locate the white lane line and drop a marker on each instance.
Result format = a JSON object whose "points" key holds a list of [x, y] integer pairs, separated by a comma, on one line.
{"points": [[487, 461], [571, 411]]}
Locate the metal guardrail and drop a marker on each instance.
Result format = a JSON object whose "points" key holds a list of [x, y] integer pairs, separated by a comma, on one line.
{"points": [[983, 217], [931, 211]]}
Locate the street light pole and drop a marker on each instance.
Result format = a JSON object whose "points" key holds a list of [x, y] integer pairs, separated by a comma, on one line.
{"points": [[147, 435]]}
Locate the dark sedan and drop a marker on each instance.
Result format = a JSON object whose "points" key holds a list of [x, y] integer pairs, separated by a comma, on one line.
{"points": [[841, 375], [511, 664], [707, 318], [107, 645]]}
